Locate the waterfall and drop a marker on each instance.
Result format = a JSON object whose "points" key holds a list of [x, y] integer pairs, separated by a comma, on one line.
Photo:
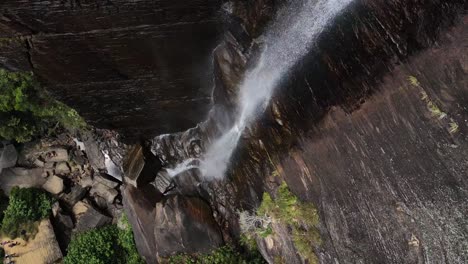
{"points": [[287, 41]]}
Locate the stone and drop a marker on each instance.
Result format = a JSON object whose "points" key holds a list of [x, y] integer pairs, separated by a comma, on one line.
{"points": [[106, 182], [80, 208], [8, 155], [91, 219], [104, 191], [177, 224], [86, 181], [55, 155], [62, 168], [76, 193], [54, 185], [21, 177], [39, 163]]}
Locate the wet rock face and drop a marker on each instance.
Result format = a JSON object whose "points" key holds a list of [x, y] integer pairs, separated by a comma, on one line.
{"points": [[370, 127], [152, 57]]}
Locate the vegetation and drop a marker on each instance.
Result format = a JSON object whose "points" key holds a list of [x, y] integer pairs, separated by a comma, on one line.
{"points": [[107, 245], [25, 207], [302, 218], [222, 255], [27, 111], [433, 108]]}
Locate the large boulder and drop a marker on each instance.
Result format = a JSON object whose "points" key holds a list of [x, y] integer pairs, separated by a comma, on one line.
{"points": [[8, 156], [185, 224], [54, 185], [21, 177], [88, 217]]}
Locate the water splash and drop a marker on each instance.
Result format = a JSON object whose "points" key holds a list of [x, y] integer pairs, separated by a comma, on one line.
{"points": [[287, 41], [181, 167]]}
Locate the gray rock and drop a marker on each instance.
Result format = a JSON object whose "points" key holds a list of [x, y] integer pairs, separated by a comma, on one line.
{"points": [[54, 185], [21, 177], [62, 168], [104, 191], [91, 219], [106, 182], [55, 155], [76, 194], [8, 156]]}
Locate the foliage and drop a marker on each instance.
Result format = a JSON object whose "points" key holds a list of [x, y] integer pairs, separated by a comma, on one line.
{"points": [[250, 222], [27, 111], [97, 246], [301, 217], [107, 245], [222, 255], [433, 108], [26, 205], [127, 242]]}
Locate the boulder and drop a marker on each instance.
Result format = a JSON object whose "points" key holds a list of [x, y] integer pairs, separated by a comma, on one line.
{"points": [[21, 177], [8, 156], [90, 218], [185, 224], [106, 182], [75, 195], [62, 168], [55, 155], [104, 191], [80, 208], [54, 185]]}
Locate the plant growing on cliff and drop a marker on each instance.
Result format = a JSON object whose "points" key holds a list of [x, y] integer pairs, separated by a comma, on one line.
{"points": [[27, 111], [106, 245], [25, 206], [222, 255], [302, 218]]}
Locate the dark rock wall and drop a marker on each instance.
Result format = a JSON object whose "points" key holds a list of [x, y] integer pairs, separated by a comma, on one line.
{"points": [[135, 66], [370, 127]]}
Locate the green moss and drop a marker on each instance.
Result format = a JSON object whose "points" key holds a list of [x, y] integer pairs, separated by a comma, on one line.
{"points": [[301, 217], [27, 111]]}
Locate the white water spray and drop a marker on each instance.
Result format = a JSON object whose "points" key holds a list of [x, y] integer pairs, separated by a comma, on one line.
{"points": [[287, 41]]}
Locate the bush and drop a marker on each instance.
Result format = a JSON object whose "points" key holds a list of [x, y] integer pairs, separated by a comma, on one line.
{"points": [[27, 111], [107, 245], [222, 255], [301, 217], [26, 205]]}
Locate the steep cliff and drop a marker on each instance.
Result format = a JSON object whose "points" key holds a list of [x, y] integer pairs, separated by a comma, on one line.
{"points": [[370, 128], [134, 66]]}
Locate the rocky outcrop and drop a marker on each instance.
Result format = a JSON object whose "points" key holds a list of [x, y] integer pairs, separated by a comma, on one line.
{"points": [[152, 53]]}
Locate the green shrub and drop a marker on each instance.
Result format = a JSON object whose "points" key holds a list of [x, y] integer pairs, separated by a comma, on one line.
{"points": [[25, 206], [127, 242], [301, 217], [106, 245], [222, 255], [27, 111]]}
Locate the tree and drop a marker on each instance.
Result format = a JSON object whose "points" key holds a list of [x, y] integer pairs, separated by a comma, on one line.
{"points": [[27, 111]]}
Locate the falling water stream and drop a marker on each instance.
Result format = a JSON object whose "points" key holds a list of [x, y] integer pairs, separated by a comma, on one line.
{"points": [[286, 42]]}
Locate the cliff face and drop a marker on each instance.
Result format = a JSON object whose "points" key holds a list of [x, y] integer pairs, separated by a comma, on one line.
{"points": [[135, 66], [370, 127]]}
